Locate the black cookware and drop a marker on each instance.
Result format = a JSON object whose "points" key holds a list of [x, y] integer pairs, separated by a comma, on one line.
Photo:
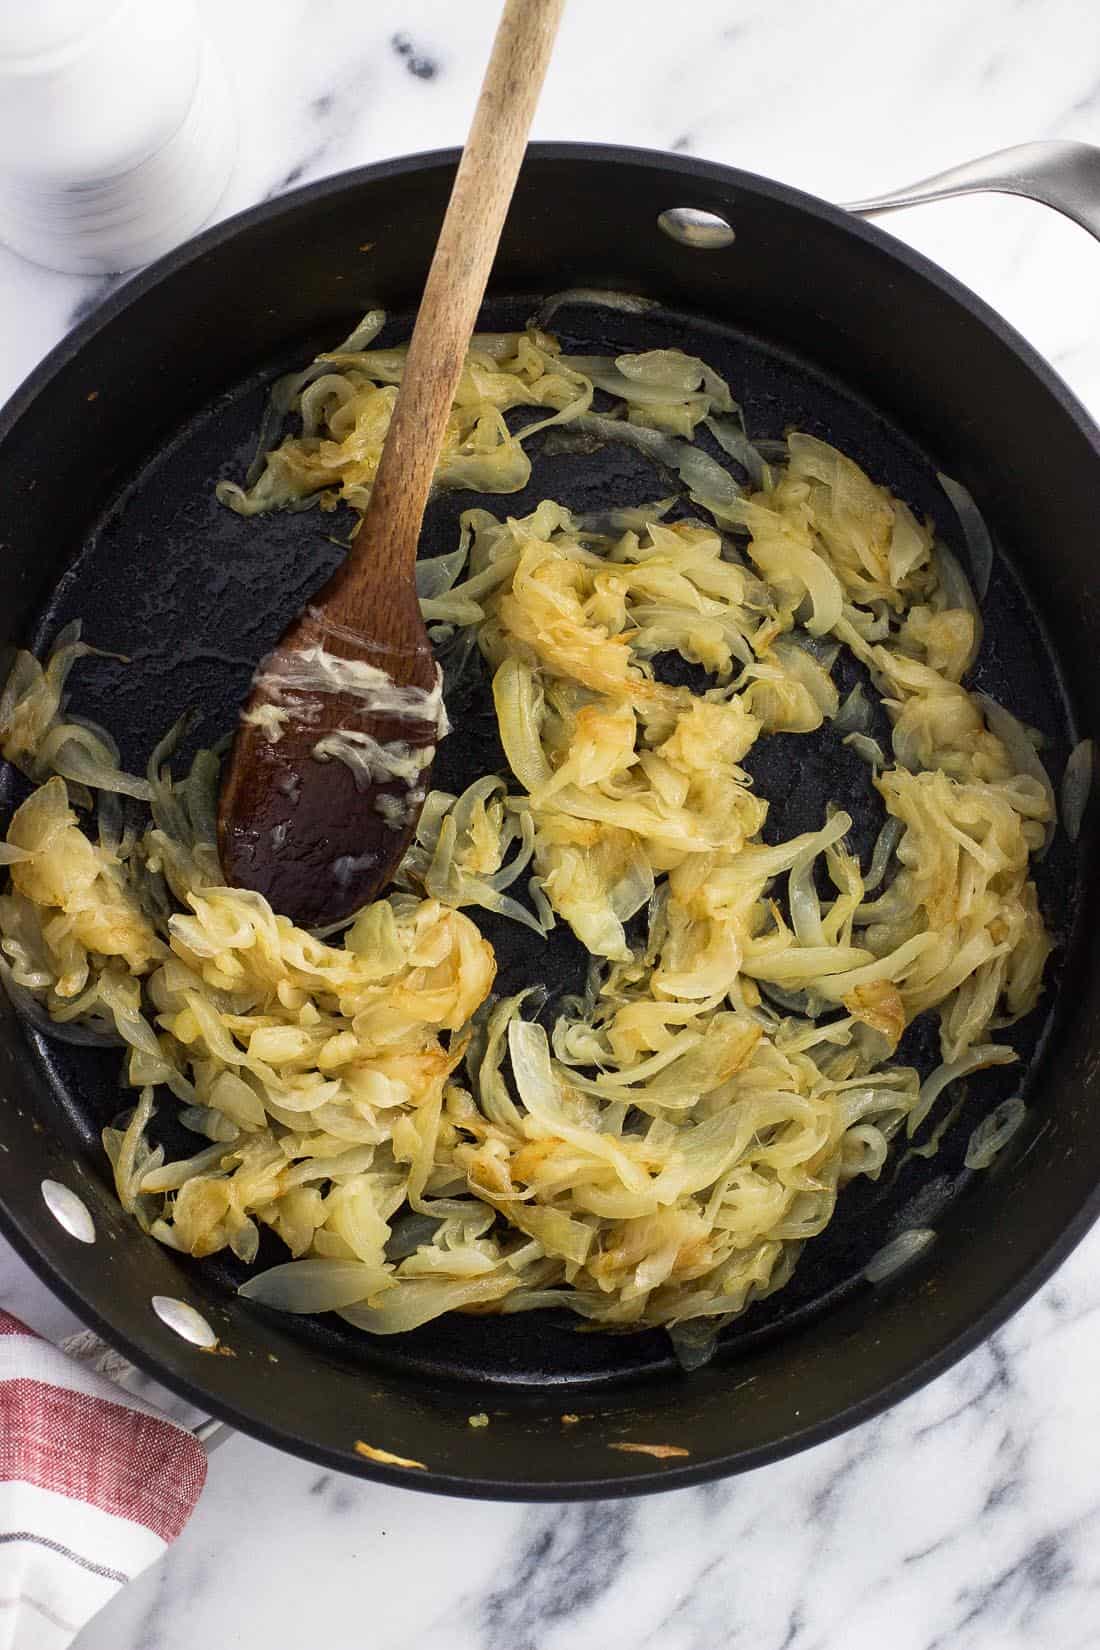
{"points": [[108, 457]]}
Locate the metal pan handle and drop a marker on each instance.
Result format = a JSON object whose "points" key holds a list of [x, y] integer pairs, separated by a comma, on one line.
{"points": [[1063, 175], [86, 1348]]}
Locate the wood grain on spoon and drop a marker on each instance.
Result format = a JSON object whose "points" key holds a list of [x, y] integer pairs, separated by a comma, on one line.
{"points": [[309, 833]]}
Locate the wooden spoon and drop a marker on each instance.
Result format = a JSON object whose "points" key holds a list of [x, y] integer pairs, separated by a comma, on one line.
{"points": [[331, 760]]}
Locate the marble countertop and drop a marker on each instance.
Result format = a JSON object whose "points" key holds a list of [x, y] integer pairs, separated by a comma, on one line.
{"points": [[969, 1515]]}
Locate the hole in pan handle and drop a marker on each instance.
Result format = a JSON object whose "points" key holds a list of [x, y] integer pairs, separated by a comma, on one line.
{"points": [[87, 1349], [1065, 176], [690, 226]]}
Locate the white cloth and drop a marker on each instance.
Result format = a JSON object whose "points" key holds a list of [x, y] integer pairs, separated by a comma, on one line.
{"points": [[94, 1485]]}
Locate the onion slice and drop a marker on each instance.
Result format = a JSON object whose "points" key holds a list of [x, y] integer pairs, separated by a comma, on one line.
{"points": [[1014, 737], [627, 303], [994, 1132], [1076, 787], [979, 543], [899, 1252], [854, 715], [35, 1014]]}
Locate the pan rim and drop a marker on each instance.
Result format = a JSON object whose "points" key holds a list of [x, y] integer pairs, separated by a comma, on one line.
{"points": [[688, 167], [1031, 1274]]}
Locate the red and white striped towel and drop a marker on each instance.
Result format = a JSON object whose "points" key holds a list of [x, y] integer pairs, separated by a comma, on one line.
{"points": [[93, 1487]]}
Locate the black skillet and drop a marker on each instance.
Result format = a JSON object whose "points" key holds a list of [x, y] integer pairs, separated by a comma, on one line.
{"points": [[108, 459]]}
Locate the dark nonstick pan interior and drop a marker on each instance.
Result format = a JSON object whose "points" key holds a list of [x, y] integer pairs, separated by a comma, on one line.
{"points": [[194, 595]]}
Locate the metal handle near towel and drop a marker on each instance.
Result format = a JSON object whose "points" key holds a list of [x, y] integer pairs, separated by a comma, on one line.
{"points": [[86, 1348], [1063, 175]]}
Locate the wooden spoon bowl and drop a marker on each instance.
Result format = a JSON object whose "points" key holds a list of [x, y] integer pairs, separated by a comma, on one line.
{"points": [[313, 832]]}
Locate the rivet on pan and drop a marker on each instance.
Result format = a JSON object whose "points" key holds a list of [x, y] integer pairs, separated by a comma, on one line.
{"points": [[705, 231], [69, 1210], [184, 1321]]}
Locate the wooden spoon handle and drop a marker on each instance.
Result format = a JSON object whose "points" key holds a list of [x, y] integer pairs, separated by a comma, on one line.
{"points": [[483, 186]]}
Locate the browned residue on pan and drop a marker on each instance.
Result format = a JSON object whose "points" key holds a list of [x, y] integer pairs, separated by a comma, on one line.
{"points": [[660, 1452], [385, 1457]]}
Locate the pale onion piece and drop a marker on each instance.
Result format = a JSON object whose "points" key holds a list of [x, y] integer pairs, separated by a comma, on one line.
{"points": [[73, 760], [31, 1009], [632, 518], [804, 904], [819, 966], [855, 713], [780, 700], [169, 1177], [900, 1252], [435, 575], [770, 862], [695, 1342], [475, 891], [867, 749], [1014, 737], [908, 545], [791, 564], [131, 1159], [670, 369], [633, 889], [701, 1065], [213, 1124], [286, 391], [627, 303], [979, 543], [462, 604], [409, 1303], [864, 1152], [977, 1058], [323, 401], [894, 966], [544, 911], [706, 482], [695, 385], [801, 663], [994, 1132], [730, 436], [883, 852], [541, 1093], [1076, 787], [518, 698], [957, 593], [11, 855], [615, 1084], [313, 1285], [607, 375]]}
